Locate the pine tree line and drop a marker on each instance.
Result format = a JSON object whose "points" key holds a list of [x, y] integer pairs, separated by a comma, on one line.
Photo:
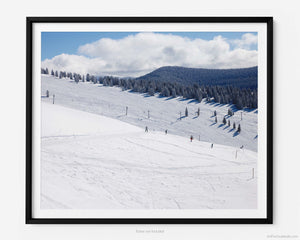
{"points": [[241, 97]]}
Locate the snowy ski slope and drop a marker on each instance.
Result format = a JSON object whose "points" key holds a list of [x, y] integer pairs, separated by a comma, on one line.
{"points": [[89, 161], [164, 112]]}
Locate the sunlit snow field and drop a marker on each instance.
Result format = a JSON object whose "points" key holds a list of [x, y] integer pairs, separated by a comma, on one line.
{"points": [[93, 156]]}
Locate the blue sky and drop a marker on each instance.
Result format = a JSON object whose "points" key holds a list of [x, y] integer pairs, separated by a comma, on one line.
{"points": [[136, 53], [55, 43]]}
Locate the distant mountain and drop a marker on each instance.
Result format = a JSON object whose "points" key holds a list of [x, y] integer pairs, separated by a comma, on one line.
{"points": [[242, 77]]}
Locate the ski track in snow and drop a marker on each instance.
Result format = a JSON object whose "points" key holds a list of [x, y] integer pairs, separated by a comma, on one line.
{"points": [[90, 161]]}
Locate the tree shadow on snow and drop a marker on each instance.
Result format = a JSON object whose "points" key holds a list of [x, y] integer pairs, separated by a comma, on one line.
{"points": [[213, 124], [236, 134], [146, 95], [231, 130], [169, 98], [216, 104], [183, 99], [249, 110], [235, 109], [193, 101], [181, 117]]}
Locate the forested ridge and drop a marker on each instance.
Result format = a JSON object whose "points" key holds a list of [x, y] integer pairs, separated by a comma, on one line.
{"points": [[230, 86], [242, 77]]}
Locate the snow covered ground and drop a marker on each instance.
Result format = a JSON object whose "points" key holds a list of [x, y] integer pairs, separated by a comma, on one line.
{"points": [[89, 161], [164, 112]]}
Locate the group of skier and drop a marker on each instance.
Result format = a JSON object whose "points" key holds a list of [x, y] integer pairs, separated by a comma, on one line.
{"points": [[146, 130], [211, 146], [191, 138]]}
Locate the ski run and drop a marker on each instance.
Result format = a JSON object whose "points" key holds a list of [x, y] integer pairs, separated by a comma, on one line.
{"points": [[94, 156]]}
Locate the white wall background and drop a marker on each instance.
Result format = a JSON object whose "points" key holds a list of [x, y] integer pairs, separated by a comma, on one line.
{"points": [[286, 115]]}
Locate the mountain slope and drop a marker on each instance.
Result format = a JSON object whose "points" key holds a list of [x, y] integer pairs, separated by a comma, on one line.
{"points": [[94, 162], [243, 78], [164, 113]]}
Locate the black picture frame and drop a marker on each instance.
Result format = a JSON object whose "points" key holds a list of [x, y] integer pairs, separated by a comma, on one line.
{"points": [[30, 111]]}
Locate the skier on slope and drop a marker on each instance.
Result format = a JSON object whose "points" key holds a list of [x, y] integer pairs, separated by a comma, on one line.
{"points": [[166, 131], [146, 129], [212, 145], [192, 138]]}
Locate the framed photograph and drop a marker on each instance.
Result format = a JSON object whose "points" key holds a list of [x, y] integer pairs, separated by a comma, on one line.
{"points": [[149, 120]]}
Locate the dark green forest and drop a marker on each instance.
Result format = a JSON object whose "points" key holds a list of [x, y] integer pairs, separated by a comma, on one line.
{"points": [[228, 86], [241, 78]]}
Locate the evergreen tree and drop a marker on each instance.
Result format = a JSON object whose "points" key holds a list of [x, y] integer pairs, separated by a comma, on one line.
{"points": [[165, 92], [224, 121], [239, 128], [199, 95], [215, 113], [93, 79], [217, 98], [76, 78], [233, 125], [198, 112], [186, 112], [239, 103], [216, 120], [228, 123], [174, 93], [151, 91], [52, 72], [136, 87]]}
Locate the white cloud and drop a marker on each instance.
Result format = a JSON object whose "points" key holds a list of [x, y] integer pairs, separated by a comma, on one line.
{"points": [[139, 54], [247, 40], [74, 63]]}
